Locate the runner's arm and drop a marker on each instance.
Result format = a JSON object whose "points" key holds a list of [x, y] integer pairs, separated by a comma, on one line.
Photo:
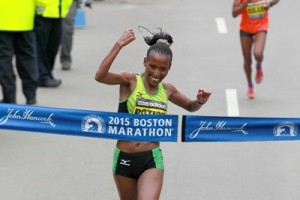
{"points": [[238, 7], [103, 75], [272, 3], [181, 100]]}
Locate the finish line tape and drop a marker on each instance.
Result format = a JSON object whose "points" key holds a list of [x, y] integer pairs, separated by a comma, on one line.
{"points": [[238, 129], [147, 128], [87, 123]]}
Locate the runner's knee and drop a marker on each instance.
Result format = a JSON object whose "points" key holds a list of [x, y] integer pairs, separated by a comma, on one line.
{"points": [[258, 55], [247, 61]]}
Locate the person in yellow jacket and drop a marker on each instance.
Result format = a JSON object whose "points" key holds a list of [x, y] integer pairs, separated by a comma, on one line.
{"points": [[48, 31], [17, 39]]}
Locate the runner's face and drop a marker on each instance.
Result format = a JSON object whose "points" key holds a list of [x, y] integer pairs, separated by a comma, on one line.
{"points": [[157, 67]]}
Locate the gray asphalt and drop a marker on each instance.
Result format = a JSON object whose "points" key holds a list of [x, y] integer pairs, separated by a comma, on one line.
{"points": [[55, 167]]}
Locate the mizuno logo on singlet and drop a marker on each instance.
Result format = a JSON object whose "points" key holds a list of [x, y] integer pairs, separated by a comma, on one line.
{"points": [[125, 162]]}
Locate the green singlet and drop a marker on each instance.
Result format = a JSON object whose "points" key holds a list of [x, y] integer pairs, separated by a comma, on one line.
{"points": [[141, 102]]}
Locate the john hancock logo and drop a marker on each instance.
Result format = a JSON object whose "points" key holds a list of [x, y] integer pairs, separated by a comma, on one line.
{"points": [[93, 123], [27, 115], [220, 126], [285, 129]]}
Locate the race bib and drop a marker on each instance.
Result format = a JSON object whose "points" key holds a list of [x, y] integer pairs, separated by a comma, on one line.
{"points": [[256, 10]]}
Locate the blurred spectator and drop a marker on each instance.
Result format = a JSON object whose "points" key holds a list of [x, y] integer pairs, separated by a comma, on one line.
{"points": [[17, 38], [68, 32], [48, 29]]}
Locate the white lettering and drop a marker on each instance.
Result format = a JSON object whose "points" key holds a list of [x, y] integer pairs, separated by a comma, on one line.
{"points": [[26, 115], [152, 122], [220, 126], [141, 132]]}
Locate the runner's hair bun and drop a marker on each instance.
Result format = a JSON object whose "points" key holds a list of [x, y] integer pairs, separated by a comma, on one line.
{"points": [[160, 37]]}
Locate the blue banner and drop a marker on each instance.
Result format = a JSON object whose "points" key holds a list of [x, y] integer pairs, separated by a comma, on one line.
{"points": [[238, 129], [88, 123]]}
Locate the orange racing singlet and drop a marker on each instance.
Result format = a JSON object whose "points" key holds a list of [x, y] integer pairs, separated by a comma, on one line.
{"points": [[254, 17]]}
